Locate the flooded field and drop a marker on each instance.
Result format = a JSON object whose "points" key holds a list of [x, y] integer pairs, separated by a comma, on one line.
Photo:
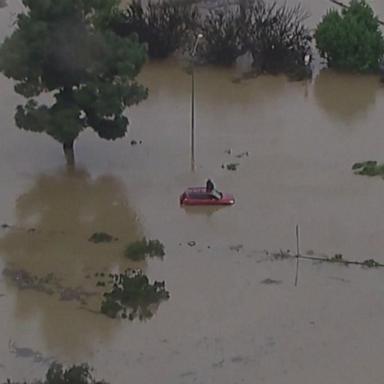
{"points": [[234, 314]]}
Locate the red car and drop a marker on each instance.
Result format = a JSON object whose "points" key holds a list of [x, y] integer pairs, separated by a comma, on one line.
{"points": [[200, 196]]}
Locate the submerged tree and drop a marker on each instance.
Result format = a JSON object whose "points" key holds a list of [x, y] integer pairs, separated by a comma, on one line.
{"points": [[133, 296], [352, 39], [57, 374], [222, 36], [162, 26], [63, 47], [276, 36]]}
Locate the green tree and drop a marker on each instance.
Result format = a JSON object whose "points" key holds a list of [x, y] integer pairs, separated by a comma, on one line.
{"points": [[63, 48], [351, 40], [76, 374]]}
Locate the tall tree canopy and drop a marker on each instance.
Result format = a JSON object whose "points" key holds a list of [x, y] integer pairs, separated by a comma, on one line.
{"points": [[352, 39], [64, 47]]}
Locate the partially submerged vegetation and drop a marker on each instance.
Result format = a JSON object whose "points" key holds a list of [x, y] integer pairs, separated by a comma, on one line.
{"points": [[277, 38], [230, 166], [133, 296], [273, 34], [141, 249], [101, 237], [338, 258], [222, 31], [162, 26], [58, 374], [368, 168]]}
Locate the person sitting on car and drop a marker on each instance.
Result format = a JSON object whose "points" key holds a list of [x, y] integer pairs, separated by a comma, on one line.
{"points": [[210, 187]]}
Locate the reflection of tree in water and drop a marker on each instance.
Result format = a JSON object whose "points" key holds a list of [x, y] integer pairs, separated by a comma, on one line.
{"points": [[63, 211], [345, 96]]}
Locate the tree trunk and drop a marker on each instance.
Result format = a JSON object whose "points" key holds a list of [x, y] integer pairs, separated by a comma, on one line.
{"points": [[69, 154]]}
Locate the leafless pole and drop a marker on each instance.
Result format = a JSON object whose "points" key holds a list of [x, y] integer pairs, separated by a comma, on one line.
{"points": [[297, 254], [198, 37]]}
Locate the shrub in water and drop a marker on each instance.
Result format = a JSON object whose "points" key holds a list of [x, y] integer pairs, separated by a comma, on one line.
{"points": [[162, 26], [133, 296], [276, 37], [368, 168], [138, 250], [222, 36]]}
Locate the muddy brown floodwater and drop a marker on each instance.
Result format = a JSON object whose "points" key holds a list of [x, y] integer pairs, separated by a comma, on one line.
{"points": [[234, 315]]}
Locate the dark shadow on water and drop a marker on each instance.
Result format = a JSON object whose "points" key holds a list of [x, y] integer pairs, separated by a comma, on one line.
{"points": [[55, 219], [345, 97]]}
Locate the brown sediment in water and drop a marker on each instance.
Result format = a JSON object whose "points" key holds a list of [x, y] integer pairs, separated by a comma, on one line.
{"points": [[220, 323]]}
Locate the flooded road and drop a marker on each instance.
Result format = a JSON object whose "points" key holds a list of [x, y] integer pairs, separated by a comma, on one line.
{"points": [[234, 315]]}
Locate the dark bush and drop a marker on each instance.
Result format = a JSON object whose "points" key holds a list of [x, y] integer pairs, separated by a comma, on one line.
{"points": [[101, 237], [57, 374], [133, 296], [276, 37], [138, 250], [222, 36], [163, 26]]}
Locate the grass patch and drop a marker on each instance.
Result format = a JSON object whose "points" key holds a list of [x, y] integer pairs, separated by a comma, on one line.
{"points": [[133, 296], [139, 250], [368, 168]]}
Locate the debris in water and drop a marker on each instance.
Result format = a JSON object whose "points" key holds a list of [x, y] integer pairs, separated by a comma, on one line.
{"points": [[281, 255], [269, 281], [371, 263], [28, 353], [337, 258], [219, 364], [242, 154], [236, 248], [231, 166], [191, 243]]}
